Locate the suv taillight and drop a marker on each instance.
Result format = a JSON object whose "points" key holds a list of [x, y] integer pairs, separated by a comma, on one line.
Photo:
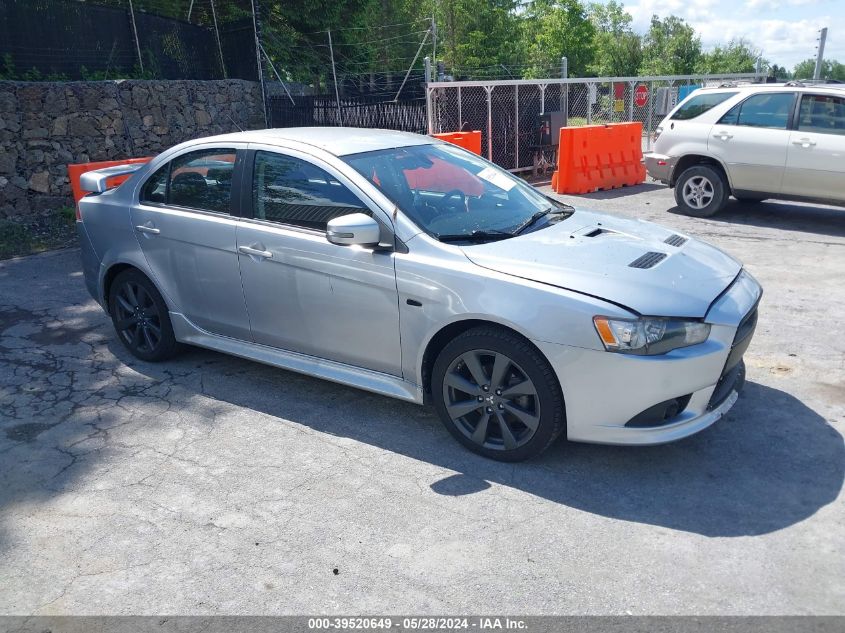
{"points": [[657, 132]]}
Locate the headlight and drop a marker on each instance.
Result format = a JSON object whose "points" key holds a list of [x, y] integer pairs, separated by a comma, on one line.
{"points": [[649, 335]]}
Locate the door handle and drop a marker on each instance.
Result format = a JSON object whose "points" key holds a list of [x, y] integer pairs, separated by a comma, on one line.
{"points": [[723, 135], [255, 252], [149, 230], [804, 142]]}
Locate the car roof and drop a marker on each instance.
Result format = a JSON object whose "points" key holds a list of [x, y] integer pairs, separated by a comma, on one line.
{"points": [[340, 141], [777, 87]]}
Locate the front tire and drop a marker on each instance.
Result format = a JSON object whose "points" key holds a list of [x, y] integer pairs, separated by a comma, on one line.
{"points": [[497, 395], [141, 318], [701, 191]]}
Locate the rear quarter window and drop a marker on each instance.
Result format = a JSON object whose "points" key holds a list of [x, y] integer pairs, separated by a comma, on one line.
{"points": [[699, 104]]}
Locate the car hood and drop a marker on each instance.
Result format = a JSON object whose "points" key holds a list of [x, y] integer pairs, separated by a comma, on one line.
{"points": [[592, 253]]}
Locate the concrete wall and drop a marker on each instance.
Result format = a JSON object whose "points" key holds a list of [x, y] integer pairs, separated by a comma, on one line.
{"points": [[46, 125]]}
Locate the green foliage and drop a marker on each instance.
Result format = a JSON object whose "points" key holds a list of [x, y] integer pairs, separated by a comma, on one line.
{"points": [[617, 49], [553, 29], [831, 69], [670, 47], [474, 38], [15, 239], [478, 35], [738, 56]]}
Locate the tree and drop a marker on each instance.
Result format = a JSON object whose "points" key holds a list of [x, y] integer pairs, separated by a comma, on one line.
{"points": [[831, 69], [553, 29], [670, 47], [475, 37], [617, 49], [779, 72], [738, 56]]}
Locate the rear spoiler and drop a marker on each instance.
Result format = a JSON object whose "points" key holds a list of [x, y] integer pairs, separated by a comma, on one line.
{"points": [[97, 177], [97, 180]]}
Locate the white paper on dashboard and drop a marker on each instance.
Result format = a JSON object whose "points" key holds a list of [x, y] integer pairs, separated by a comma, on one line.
{"points": [[496, 178]]}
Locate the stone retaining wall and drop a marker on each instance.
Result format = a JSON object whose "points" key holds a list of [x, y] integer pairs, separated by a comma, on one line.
{"points": [[46, 125]]}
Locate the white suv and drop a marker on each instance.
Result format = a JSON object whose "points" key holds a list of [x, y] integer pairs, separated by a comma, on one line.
{"points": [[753, 142]]}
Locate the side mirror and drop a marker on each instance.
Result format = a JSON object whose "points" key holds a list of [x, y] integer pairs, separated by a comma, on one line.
{"points": [[355, 228]]}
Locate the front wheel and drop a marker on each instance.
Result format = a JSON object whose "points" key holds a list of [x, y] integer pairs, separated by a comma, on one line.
{"points": [[497, 395], [700, 191], [140, 317]]}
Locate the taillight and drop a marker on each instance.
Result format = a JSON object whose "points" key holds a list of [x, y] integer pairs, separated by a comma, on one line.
{"points": [[657, 132]]}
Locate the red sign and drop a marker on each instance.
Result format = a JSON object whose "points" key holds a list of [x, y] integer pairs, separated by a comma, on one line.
{"points": [[641, 95]]}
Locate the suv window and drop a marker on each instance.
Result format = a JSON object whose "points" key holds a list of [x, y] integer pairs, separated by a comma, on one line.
{"points": [[699, 104], [822, 114], [769, 110], [293, 191]]}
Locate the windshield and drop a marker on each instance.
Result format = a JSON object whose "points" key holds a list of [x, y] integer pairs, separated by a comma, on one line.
{"points": [[451, 193]]}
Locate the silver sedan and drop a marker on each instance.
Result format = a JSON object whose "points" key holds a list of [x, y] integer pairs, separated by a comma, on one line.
{"points": [[409, 267]]}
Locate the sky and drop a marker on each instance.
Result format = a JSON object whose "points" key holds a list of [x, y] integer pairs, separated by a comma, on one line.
{"points": [[786, 30]]}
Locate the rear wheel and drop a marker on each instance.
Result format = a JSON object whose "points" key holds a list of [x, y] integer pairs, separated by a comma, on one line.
{"points": [[701, 191], [140, 317], [497, 395]]}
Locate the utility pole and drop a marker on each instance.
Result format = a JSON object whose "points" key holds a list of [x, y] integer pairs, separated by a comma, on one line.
{"points": [[257, 29], [137, 42], [564, 89], [817, 74], [219, 45], [434, 43], [334, 75]]}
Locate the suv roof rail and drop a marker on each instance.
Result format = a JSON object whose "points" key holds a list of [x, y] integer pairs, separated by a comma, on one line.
{"points": [[795, 84]]}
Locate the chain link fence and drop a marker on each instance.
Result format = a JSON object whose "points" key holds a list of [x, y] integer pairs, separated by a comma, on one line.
{"points": [[510, 113], [65, 40]]}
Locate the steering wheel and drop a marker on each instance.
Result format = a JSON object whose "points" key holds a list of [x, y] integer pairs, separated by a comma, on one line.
{"points": [[454, 193]]}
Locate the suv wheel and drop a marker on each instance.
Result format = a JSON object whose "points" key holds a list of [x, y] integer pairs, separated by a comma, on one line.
{"points": [[700, 191], [497, 395]]}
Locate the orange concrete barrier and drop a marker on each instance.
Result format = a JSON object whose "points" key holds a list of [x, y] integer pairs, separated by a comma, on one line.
{"points": [[468, 140], [594, 157], [75, 171]]}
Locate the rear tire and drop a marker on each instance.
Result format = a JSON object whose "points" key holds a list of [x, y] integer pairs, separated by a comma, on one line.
{"points": [[497, 395], [701, 191], [141, 318]]}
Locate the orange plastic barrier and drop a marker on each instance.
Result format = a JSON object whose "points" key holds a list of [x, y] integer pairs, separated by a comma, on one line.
{"points": [[467, 140], [74, 172], [595, 157]]}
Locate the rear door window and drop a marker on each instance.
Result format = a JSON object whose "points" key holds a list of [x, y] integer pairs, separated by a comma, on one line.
{"points": [[202, 180], [699, 104], [822, 114]]}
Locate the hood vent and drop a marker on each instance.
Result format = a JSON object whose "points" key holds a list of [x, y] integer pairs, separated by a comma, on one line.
{"points": [[648, 260], [675, 240]]}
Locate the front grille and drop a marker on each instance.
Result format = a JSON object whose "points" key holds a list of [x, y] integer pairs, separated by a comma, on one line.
{"points": [[648, 260], [675, 240]]}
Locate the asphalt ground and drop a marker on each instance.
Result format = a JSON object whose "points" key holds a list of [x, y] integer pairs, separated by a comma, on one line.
{"points": [[212, 485]]}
